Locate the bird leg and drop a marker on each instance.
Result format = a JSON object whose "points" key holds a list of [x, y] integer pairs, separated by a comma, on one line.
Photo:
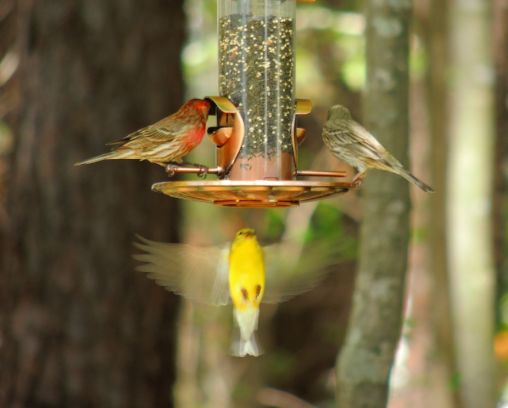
{"points": [[203, 172], [358, 178], [171, 168]]}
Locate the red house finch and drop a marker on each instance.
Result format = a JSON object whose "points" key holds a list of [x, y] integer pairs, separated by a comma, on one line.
{"points": [[165, 141], [353, 144]]}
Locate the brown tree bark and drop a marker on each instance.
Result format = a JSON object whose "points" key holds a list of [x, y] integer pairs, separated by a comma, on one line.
{"points": [[78, 326], [364, 364]]}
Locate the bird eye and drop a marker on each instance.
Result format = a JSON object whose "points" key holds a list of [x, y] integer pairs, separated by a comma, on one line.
{"points": [[258, 290], [245, 294]]}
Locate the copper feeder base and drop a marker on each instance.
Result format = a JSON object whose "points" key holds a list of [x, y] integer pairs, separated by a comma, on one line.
{"points": [[252, 194], [256, 181]]}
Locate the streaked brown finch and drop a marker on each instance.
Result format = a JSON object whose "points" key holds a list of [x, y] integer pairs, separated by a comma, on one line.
{"points": [[351, 143]]}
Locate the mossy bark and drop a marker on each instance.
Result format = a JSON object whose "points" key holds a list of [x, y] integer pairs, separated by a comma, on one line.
{"points": [[364, 364]]}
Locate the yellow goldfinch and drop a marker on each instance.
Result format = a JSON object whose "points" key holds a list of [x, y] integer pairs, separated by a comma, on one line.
{"points": [[246, 288], [244, 272]]}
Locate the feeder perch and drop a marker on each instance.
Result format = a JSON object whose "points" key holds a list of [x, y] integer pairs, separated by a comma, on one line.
{"points": [[256, 133]]}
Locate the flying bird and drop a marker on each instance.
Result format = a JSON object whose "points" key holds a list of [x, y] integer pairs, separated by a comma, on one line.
{"points": [[243, 273], [167, 140], [353, 144]]}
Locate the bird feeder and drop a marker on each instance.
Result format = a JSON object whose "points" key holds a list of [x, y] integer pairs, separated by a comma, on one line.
{"points": [[256, 135]]}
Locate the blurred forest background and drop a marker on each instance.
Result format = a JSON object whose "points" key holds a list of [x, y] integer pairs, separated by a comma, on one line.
{"points": [[80, 327]]}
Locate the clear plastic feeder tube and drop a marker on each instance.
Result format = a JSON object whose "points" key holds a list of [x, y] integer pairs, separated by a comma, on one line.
{"points": [[257, 73]]}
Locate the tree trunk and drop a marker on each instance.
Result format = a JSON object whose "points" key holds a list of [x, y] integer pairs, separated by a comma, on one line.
{"points": [[78, 326], [500, 214], [367, 356], [470, 198], [443, 336]]}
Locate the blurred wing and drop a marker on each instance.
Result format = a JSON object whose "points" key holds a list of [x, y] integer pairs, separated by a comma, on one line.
{"points": [[197, 273], [220, 290], [292, 269]]}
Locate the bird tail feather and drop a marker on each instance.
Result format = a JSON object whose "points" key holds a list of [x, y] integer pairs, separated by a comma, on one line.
{"points": [[249, 347], [417, 182], [106, 156]]}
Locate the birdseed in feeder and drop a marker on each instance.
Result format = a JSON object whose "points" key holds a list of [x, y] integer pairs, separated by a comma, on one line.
{"points": [[256, 72]]}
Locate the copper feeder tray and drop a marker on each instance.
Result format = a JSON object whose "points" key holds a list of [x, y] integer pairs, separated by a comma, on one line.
{"points": [[252, 193], [266, 184]]}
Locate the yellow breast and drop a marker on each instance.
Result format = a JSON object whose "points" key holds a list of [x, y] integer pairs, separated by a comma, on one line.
{"points": [[246, 272]]}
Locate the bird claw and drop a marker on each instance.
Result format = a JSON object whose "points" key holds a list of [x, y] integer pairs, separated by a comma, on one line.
{"points": [[203, 172], [358, 180], [171, 169], [357, 183]]}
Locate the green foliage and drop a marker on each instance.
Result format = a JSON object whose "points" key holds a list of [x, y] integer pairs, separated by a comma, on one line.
{"points": [[327, 224], [503, 311], [418, 60], [274, 224], [330, 45], [420, 234], [455, 381], [354, 70]]}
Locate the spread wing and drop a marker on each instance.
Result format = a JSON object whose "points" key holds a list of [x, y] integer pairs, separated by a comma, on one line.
{"points": [[199, 273], [292, 269]]}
